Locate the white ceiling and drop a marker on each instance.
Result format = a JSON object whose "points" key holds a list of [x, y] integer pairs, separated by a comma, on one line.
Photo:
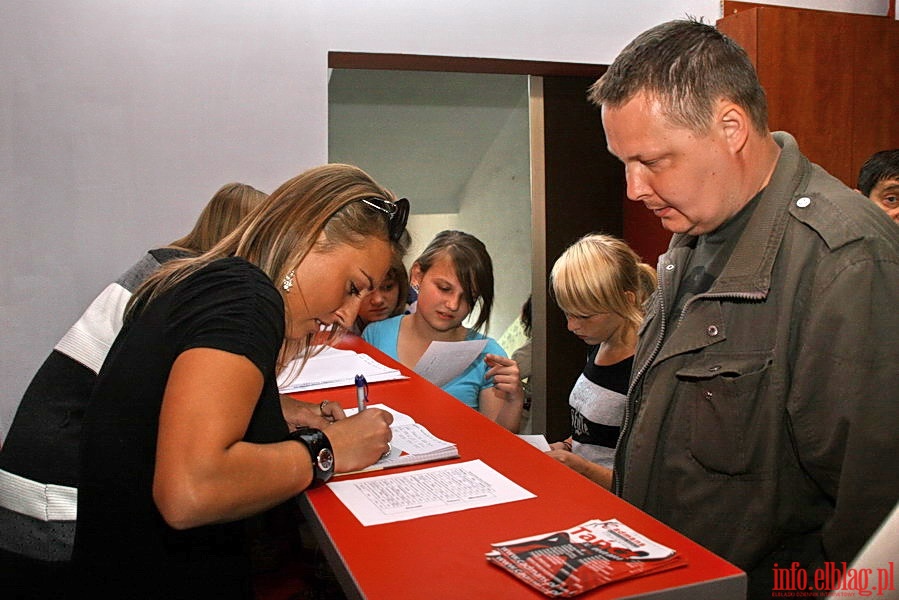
{"points": [[420, 133]]}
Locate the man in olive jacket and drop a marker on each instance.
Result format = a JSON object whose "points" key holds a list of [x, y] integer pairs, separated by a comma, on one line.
{"points": [[763, 413]]}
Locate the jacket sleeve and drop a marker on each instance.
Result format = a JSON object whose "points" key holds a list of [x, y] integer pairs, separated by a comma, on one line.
{"points": [[844, 396]]}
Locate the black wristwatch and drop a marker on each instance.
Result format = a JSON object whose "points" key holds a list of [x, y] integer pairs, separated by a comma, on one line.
{"points": [[319, 449]]}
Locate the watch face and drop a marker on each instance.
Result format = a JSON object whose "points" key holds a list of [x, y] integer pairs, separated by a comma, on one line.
{"points": [[325, 459]]}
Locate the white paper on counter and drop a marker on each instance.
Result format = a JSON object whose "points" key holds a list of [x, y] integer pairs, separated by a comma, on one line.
{"points": [[423, 492], [333, 368]]}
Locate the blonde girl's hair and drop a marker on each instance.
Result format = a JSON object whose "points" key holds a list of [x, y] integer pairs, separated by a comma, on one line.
{"points": [[230, 204], [595, 273], [319, 208]]}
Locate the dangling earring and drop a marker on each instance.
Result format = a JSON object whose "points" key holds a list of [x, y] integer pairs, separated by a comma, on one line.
{"points": [[416, 287], [287, 282]]}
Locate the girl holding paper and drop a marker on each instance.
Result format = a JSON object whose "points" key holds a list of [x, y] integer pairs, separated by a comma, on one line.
{"points": [[453, 276]]}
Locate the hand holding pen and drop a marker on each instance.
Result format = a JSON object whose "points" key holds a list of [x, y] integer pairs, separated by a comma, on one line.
{"points": [[359, 441], [361, 392], [362, 400]]}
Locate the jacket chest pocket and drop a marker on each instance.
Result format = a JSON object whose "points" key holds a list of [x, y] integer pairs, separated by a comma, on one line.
{"points": [[724, 395]]}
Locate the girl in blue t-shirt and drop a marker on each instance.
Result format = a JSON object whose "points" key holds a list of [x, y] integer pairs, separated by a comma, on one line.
{"points": [[452, 276]]}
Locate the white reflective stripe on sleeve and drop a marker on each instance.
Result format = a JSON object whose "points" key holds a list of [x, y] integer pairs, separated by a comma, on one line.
{"points": [[46, 502], [89, 339]]}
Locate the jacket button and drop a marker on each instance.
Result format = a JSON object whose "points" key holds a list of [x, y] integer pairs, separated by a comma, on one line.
{"points": [[709, 395], [669, 267], [712, 330], [803, 202], [715, 368]]}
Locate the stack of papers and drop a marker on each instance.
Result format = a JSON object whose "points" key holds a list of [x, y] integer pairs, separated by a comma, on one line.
{"points": [[333, 368], [568, 562], [411, 444]]}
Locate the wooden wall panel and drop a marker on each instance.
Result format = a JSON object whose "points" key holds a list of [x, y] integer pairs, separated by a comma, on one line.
{"points": [[809, 82], [875, 111], [742, 26], [830, 78]]}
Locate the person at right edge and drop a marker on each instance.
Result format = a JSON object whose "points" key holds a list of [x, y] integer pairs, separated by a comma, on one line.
{"points": [[878, 180], [762, 410]]}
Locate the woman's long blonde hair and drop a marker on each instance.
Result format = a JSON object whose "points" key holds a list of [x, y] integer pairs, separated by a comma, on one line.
{"points": [[595, 274], [281, 231], [228, 206]]}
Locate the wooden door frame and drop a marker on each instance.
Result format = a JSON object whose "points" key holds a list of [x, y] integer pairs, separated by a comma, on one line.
{"points": [[457, 64]]}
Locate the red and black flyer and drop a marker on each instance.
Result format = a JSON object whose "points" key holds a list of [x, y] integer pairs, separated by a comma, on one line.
{"points": [[568, 562]]}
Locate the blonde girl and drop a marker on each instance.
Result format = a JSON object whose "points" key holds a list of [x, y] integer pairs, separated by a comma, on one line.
{"points": [[600, 284]]}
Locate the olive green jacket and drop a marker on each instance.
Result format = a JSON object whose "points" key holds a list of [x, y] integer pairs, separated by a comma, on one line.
{"points": [[766, 426]]}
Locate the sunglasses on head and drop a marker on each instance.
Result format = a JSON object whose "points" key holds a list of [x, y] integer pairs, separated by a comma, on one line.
{"points": [[397, 214]]}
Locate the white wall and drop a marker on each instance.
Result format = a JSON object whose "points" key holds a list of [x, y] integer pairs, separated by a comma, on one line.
{"points": [[495, 207], [118, 120]]}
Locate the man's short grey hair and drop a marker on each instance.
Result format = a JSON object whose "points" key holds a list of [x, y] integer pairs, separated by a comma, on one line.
{"points": [[687, 66]]}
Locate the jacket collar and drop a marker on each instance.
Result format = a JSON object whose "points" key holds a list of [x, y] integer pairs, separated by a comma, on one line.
{"points": [[748, 272]]}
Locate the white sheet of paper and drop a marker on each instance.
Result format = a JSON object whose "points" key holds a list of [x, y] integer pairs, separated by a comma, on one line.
{"points": [[538, 441], [398, 417], [444, 361], [333, 367], [424, 492]]}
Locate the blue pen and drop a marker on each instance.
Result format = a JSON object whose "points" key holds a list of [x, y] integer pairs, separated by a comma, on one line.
{"points": [[361, 392]]}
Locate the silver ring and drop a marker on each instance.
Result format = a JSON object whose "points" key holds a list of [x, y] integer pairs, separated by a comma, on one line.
{"points": [[386, 454], [321, 407]]}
